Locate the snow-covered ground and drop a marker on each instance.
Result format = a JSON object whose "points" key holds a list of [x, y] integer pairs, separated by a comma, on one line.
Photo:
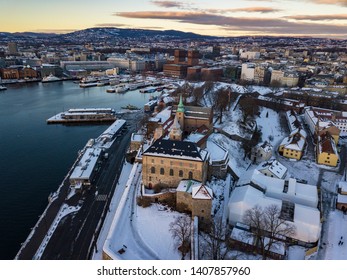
{"points": [[336, 228], [269, 124]]}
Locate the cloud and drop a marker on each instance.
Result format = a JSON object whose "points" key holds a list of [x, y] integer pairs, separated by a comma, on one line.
{"points": [[168, 4], [331, 2], [319, 17], [262, 10], [251, 24]]}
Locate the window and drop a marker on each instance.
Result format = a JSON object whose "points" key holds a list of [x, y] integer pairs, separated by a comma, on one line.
{"points": [[162, 172], [171, 172], [152, 169], [152, 160], [180, 173], [162, 162], [190, 175]]}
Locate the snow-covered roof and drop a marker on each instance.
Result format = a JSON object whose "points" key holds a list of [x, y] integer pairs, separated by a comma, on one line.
{"points": [[136, 137], [86, 165], [187, 185], [194, 137], [202, 192], [164, 115], [216, 151], [289, 190], [176, 149], [295, 141], [266, 147], [275, 167], [343, 186], [306, 219], [341, 198]]}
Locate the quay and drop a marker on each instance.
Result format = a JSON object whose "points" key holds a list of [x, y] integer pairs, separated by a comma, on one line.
{"points": [[68, 227]]}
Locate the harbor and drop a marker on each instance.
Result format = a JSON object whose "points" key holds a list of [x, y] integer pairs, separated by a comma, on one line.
{"points": [[53, 148]]}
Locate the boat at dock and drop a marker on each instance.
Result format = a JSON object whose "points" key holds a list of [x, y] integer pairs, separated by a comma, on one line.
{"points": [[51, 78], [130, 107], [148, 90], [121, 88], [111, 90], [85, 115], [88, 82]]}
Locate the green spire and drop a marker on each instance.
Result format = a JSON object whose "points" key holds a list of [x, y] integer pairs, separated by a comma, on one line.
{"points": [[180, 107]]}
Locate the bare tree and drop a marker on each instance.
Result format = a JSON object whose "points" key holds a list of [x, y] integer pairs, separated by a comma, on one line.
{"points": [[249, 107], [216, 245], [268, 227], [180, 230], [198, 94], [221, 100]]}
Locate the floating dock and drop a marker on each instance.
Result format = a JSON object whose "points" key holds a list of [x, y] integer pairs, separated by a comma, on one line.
{"points": [[86, 115]]}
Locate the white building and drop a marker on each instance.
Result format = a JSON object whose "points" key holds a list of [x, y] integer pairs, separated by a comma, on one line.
{"points": [[261, 152], [273, 168], [247, 71], [305, 219], [250, 55], [82, 174], [289, 190]]}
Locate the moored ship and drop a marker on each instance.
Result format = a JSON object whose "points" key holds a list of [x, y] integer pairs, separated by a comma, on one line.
{"points": [[50, 78], [84, 115]]}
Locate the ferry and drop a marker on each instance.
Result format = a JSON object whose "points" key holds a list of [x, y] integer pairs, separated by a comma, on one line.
{"points": [[84, 115], [50, 78], [88, 82]]}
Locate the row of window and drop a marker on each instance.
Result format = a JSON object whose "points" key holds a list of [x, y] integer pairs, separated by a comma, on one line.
{"points": [[171, 172], [191, 165]]}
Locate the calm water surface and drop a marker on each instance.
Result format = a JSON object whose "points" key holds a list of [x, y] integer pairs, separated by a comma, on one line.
{"points": [[34, 156]]}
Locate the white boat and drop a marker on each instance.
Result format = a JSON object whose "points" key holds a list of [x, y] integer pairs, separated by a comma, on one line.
{"points": [[111, 90], [51, 78], [3, 88], [88, 82], [121, 88]]}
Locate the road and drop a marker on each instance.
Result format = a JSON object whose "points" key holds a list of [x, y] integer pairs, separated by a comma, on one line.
{"points": [[75, 235]]}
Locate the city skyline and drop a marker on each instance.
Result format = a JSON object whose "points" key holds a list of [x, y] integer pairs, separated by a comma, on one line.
{"points": [[316, 18]]}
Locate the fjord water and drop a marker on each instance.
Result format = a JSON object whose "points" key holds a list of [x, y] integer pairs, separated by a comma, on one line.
{"points": [[34, 156]]}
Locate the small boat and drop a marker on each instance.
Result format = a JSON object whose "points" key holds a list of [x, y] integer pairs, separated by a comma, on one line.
{"points": [[130, 107], [111, 90], [3, 88]]}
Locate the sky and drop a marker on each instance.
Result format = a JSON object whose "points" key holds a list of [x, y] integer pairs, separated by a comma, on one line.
{"points": [[317, 18]]}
